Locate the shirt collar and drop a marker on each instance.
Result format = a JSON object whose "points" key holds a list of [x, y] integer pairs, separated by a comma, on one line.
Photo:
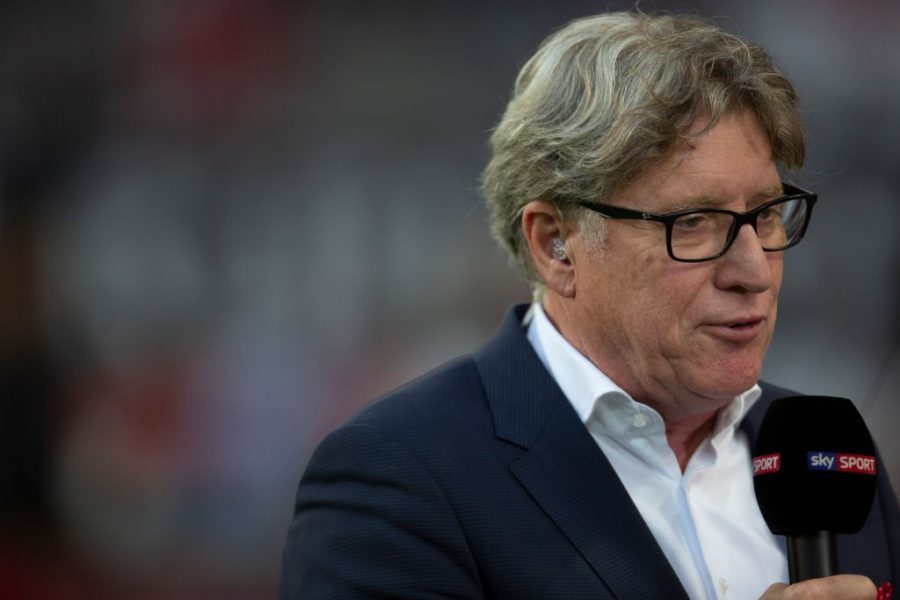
{"points": [[599, 402]]}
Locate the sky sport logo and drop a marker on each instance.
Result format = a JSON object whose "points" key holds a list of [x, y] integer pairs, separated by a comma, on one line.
{"points": [[819, 461], [843, 463]]}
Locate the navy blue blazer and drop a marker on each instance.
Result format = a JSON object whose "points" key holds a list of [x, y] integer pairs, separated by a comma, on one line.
{"points": [[479, 480]]}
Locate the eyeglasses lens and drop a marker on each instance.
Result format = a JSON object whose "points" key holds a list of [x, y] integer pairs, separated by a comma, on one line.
{"points": [[704, 234]]}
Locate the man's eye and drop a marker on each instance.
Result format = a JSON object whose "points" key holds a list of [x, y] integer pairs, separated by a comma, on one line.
{"points": [[771, 213], [692, 223]]}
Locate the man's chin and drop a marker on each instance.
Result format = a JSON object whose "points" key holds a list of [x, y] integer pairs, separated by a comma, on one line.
{"points": [[724, 379]]}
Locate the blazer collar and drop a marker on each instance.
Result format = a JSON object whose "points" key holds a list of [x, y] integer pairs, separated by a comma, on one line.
{"points": [[565, 472]]}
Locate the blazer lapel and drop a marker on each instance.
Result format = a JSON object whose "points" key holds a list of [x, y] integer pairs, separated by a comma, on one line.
{"points": [[566, 473]]}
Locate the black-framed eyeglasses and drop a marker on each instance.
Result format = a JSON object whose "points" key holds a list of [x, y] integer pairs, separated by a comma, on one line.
{"points": [[699, 234]]}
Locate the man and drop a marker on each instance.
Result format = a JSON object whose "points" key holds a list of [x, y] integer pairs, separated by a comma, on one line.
{"points": [[599, 446]]}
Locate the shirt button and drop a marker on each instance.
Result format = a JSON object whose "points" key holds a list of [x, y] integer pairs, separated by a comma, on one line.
{"points": [[639, 420], [723, 587]]}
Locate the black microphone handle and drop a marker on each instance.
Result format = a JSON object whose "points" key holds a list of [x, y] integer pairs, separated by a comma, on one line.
{"points": [[811, 555]]}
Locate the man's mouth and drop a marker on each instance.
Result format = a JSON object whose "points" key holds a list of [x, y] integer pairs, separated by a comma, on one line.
{"points": [[743, 329], [744, 324]]}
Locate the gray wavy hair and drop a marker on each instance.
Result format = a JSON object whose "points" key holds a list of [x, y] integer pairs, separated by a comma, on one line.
{"points": [[608, 96]]}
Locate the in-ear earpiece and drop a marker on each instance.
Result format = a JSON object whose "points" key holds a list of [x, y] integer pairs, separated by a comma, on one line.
{"points": [[559, 249]]}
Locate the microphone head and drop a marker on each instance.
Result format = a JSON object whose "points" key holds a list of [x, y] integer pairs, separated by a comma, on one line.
{"points": [[814, 466]]}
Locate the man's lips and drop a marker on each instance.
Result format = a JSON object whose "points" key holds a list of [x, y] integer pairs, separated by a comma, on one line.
{"points": [[740, 329]]}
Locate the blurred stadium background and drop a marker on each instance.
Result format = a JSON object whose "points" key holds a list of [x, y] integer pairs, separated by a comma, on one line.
{"points": [[225, 225]]}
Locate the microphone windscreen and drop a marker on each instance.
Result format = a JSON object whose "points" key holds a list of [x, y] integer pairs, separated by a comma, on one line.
{"points": [[814, 466]]}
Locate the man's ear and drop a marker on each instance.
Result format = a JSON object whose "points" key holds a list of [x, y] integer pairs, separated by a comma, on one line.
{"points": [[545, 232]]}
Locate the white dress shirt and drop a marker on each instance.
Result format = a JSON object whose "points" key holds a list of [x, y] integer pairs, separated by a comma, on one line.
{"points": [[706, 519]]}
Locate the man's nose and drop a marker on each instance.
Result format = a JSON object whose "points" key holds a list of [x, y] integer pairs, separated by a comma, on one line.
{"points": [[746, 265]]}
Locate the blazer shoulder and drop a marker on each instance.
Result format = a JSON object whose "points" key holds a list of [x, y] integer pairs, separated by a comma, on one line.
{"points": [[450, 393], [372, 517]]}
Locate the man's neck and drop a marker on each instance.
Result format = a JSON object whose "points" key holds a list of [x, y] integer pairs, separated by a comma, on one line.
{"points": [[685, 435]]}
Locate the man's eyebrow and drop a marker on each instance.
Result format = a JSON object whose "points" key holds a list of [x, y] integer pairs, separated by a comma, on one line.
{"points": [[707, 201], [770, 192], [692, 202]]}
